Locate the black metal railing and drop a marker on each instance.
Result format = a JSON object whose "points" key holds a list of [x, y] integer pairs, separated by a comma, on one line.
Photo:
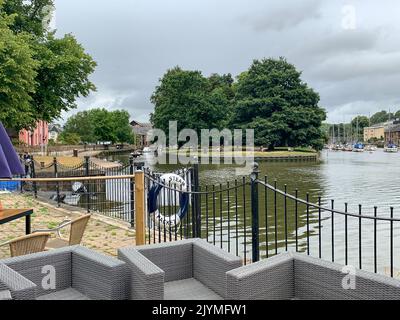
{"points": [[255, 219], [251, 217], [112, 197]]}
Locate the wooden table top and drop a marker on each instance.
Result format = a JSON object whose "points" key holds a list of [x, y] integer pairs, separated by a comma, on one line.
{"points": [[7, 213]]}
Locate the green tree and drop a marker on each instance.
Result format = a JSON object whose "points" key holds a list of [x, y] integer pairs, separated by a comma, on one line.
{"points": [[81, 125], [18, 70], [32, 16], [222, 94], [122, 127], [272, 99], [99, 124], [189, 98], [380, 117], [358, 124], [62, 77], [397, 115], [58, 74], [104, 130], [69, 138]]}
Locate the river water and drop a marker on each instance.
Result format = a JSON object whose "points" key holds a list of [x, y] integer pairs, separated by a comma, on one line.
{"points": [[369, 179]]}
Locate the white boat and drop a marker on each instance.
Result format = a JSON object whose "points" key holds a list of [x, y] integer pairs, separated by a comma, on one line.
{"points": [[391, 148], [358, 147], [371, 148]]}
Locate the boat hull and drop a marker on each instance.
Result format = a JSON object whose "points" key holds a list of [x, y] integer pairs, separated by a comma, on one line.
{"points": [[391, 150]]}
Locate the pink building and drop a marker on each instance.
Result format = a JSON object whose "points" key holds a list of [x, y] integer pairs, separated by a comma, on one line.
{"points": [[36, 137]]}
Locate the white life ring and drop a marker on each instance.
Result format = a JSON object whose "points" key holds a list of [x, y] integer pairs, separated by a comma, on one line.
{"points": [[175, 182]]}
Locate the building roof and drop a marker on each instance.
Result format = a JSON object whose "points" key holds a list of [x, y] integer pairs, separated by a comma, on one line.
{"points": [[140, 128], [393, 128], [55, 127], [375, 127]]}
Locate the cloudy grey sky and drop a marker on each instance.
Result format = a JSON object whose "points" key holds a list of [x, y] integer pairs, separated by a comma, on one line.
{"points": [[349, 51]]}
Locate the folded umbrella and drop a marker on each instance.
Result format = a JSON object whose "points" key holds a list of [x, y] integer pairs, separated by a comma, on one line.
{"points": [[10, 163]]}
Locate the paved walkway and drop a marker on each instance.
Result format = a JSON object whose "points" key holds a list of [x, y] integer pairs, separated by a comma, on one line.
{"points": [[102, 234], [74, 161]]}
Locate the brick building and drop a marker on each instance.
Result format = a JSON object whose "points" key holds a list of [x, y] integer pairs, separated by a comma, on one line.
{"points": [[392, 134], [37, 137]]}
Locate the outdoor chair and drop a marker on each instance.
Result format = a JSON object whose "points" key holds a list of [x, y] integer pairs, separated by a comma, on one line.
{"points": [[182, 270], [77, 230], [31, 243], [79, 274], [291, 276]]}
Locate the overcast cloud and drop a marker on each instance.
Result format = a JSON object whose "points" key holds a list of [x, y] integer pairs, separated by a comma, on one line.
{"points": [[353, 61]]}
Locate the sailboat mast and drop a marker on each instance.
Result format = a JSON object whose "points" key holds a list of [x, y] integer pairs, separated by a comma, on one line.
{"points": [[358, 133]]}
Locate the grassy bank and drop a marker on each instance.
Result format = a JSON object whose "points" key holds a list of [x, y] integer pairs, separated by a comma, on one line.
{"points": [[257, 154]]}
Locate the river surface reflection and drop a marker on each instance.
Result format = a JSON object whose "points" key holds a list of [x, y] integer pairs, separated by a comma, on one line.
{"points": [[369, 179]]}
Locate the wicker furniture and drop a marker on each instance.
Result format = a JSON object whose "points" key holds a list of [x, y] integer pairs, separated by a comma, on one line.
{"points": [[79, 273], [14, 285], [31, 243], [297, 276], [5, 295], [77, 230], [187, 269]]}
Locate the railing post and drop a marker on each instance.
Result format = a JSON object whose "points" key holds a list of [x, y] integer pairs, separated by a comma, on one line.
{"points": [[57, 183], [132, 192], [254, 214], [87, 173], [196, 204], [33, 175], [140, 208], [21, 158]]}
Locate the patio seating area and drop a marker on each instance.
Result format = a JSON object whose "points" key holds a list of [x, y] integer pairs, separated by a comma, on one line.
{"points": [[183, 270], [101, 234], [189, 269], [292, 276], [79, 274]]}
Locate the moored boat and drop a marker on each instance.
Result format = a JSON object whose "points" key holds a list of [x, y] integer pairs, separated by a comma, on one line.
{"points": [[370, 148], [391, 148], [358, 147]]}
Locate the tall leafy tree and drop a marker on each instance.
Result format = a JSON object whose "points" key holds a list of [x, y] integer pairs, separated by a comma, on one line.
{"points": [[63, 76], [82, 125], [61, 66], [272, 99], [358, 124], [381, 116], [33, 16], [222, 94], [99, 124], [189, 98], [18, 71], [122, 127]]}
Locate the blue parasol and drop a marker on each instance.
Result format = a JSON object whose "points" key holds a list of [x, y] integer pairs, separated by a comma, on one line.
{"points": [[9, 161]]}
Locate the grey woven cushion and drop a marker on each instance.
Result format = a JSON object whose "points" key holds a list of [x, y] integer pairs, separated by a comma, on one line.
{"points": [[66, 294], [5, 295], [188, 289]]}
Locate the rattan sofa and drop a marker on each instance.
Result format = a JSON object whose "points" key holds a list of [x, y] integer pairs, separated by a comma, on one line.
{"points": [[189, 269], [80, 274], [296, 276]]}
